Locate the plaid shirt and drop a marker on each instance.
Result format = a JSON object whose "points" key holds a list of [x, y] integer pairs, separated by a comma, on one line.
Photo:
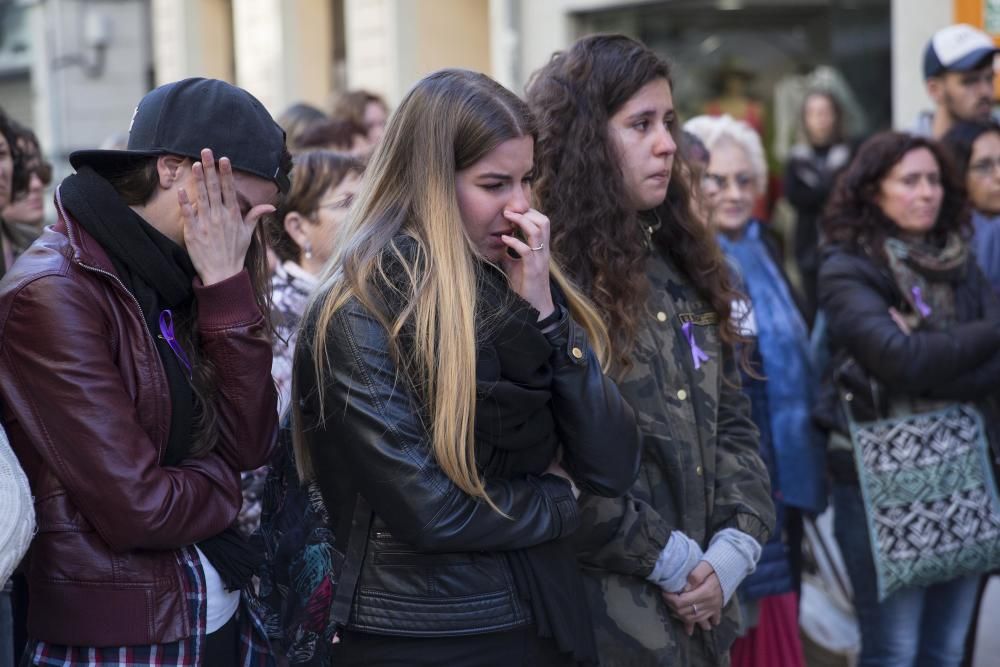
{"points": [[254, 647]]}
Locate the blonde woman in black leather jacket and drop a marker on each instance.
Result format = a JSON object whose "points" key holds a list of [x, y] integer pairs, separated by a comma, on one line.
{"points": [[450, 398]]}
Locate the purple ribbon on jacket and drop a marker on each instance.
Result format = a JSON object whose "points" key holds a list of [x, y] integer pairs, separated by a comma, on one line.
{"points": [[167, 330], [697, 354], [918, 298]]}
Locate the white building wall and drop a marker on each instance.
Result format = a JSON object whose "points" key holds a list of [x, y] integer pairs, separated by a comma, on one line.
{"points": [[913, 23], [372, 49], [75, 109], [545, 27], [176, 49], [258, 41]]}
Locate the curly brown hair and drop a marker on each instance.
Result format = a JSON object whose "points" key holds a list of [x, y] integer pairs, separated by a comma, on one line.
{"points": [[853, 215], [579, 185]]}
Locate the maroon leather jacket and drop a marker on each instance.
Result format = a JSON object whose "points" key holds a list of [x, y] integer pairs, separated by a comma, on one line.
{"points": [[87, 409]]}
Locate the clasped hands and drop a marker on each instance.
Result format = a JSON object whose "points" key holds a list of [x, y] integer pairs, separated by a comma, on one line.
{"points": [[700, 602]]}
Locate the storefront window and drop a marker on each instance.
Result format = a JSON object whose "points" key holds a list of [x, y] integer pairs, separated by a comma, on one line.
{"points": [[754, 59]]}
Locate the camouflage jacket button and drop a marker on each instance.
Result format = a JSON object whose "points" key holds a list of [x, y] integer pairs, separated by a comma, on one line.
{"points": [[577, 352], [682, 395]]}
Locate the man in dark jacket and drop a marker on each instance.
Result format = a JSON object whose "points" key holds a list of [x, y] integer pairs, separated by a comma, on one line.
{"points": [[135, 380]]}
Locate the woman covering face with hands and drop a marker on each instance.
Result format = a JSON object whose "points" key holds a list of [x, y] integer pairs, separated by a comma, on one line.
{"points": [[140, 320], [449, 400]]}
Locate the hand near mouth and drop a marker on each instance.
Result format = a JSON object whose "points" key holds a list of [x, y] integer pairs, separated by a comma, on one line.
{"points": [[529, 272]]}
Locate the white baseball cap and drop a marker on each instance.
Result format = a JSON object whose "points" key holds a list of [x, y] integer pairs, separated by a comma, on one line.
{"points": [[957, 48]]}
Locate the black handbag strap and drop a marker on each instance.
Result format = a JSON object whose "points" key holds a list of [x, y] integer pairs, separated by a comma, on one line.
{"points": [[357, 543]]}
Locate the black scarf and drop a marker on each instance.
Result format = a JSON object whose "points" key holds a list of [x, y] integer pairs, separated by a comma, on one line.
{"points": [[516, 435], [160, 275]]}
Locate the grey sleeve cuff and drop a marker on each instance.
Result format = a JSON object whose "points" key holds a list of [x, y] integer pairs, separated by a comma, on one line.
{"points": [[678, 558], [733, 555]]}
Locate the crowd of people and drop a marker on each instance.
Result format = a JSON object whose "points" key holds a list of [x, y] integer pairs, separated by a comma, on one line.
{"points": [[491, 380]]}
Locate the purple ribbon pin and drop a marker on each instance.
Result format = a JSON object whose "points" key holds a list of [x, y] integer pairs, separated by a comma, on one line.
{"points": [[167, 329], [697, 354], [918, 298]]}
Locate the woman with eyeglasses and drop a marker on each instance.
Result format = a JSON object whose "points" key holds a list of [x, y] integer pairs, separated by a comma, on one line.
{"points": [[301, 233], [780, 390], [23, 215], [976, 150]]}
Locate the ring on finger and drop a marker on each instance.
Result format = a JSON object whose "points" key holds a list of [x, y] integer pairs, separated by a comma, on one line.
{"points": [[694, 608], [540, 246]]}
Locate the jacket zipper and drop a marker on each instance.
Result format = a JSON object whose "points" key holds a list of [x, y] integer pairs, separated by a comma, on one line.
{"points": [[186, 623], [117, 281]]}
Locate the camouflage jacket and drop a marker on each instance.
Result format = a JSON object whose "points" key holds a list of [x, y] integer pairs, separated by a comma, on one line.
{"points": [[700, 473]]}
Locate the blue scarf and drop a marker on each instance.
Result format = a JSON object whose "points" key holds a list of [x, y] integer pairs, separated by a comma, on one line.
{"points": [[783, 341]]}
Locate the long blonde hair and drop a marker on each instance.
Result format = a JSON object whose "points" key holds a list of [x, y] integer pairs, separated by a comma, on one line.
{"points": [[449, 120]]}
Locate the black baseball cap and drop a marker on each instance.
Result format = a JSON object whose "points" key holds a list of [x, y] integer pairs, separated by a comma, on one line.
{"points": [[183, 117]]}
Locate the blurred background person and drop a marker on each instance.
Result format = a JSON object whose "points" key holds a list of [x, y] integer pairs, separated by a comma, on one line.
{"points": [[24, 216], [339, 135], [302, 232], [695, 156], [694, 161], [296, 119], [975, 148], [913, 326], [365, 109], [976, 151], [958, 74], [813, 164], [780, 398]]}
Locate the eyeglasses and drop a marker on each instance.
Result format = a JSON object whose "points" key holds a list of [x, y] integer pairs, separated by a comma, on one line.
{"points": [[985, 167], [743, 181]]}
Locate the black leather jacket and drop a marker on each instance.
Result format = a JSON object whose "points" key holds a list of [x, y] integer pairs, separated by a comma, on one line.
{"points": [[423, 558]]}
